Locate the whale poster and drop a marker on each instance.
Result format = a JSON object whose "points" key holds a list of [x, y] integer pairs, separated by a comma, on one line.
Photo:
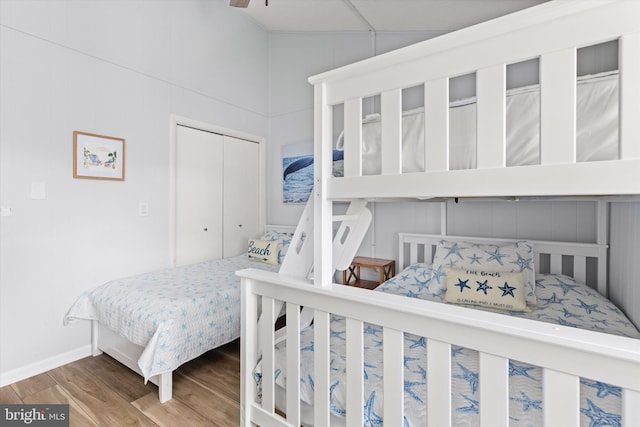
{"points": [[297, 172]]}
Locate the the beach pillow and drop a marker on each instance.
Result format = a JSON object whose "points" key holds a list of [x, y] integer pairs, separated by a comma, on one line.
{"points": [[490, 289], [509, 257]]}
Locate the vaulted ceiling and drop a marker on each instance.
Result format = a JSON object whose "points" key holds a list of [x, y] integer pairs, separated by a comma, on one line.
{"points": [[378, 15]]}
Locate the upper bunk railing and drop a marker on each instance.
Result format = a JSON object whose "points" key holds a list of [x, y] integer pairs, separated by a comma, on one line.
{"points": [[552, 32]]}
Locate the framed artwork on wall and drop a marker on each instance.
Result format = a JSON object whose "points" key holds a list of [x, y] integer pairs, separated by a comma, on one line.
{"points": [[98, 156], [297, 172]]}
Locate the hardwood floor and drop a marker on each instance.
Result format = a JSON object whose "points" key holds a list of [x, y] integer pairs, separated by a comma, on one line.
{"points": [[102, 392]]}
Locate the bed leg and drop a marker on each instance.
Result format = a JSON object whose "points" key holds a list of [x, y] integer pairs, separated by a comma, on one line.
{"points": [[95, 351], [165, 384]]}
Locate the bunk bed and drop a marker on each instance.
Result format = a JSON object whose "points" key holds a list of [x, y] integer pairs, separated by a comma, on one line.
{"points": [[155, 321], [565, 356], [561, 300]]}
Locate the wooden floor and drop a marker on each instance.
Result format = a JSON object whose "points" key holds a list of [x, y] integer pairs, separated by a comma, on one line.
{"points": [[102, 392]]}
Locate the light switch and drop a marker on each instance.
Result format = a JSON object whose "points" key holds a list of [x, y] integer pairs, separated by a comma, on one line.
{"points": [[38, 190], [143, 209], [5, 211]]}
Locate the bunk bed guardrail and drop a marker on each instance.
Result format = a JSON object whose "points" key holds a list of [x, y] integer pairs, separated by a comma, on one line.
{"points": [[486, 49]]}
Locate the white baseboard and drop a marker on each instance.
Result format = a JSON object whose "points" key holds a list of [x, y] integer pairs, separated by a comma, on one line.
{"points": [[45, 365]]}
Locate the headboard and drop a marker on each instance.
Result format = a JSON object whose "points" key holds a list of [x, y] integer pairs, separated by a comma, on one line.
{"points": [[586, 262], [281, 228]]}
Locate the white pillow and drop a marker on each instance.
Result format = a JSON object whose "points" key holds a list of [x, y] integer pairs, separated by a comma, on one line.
{"points": [[263, 251], [490, 289], [516, 257]]}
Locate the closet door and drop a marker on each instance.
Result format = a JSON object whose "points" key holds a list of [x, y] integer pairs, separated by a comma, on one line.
{"points": [[199, 195], [241, 194]]}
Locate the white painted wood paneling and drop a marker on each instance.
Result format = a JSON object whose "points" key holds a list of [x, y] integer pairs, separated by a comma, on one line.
{"points": [[624, 269]]}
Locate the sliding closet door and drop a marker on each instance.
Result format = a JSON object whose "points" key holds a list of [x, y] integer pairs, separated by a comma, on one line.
{"points": [[241, 195], [199, 195]]}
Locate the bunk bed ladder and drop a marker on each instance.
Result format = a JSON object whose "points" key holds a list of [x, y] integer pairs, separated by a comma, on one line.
{"points": [[298, 261]]}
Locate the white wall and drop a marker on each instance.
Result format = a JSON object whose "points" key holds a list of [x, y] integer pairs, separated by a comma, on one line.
{"points": [[120, 69]]}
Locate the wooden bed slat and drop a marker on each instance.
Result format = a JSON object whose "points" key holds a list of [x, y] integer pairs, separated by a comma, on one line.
{"points": [[436, 122], [322, 368], [355, 366], [393, 376], [293, 363], [556, 264], [353, 137], [558, 107], [268, 362], [391, 149], [561, 399], [439, 383], [629, 46], [580, 268], [630, 405], [491, 91], [494, 391]]}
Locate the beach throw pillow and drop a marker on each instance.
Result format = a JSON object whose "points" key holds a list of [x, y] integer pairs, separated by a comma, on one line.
{"points": [[263, 251], [490, 289], [283, 239], [514, 257]]}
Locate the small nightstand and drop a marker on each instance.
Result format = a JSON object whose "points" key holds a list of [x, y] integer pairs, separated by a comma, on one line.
{"points": [[385, 267]]}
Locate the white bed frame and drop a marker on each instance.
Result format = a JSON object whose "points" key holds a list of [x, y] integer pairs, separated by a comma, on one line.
{"points": [[551, 32], [124, 351], [565, 353]]}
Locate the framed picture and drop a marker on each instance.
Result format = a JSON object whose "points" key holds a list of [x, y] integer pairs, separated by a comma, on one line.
{"points": [[297, 172], [98, 156]]}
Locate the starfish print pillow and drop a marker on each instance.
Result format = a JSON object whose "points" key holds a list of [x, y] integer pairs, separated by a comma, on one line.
{"points": [[514, 257], [490, 289]]}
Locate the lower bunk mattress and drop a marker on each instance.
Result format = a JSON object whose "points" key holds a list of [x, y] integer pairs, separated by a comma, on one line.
{"points": [[177, 313], [559, 300]]}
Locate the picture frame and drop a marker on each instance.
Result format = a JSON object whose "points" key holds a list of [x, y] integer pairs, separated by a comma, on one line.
{"points": [[297, 172], [98, 156]]}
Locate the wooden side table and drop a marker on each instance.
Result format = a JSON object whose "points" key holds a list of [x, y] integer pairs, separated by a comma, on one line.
{"points": [[385, 267]]}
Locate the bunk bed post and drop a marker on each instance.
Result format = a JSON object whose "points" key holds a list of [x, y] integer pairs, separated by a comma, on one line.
{"points": [[629, 46], [323, 242], [323, 207]]}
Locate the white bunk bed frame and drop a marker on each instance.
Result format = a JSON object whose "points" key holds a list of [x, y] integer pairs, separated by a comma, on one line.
{"points": [[126, 352], [552, 32], [565, 353]]}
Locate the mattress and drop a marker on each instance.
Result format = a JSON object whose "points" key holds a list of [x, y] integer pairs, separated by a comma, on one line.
{"points": [[176, 313], [596, 127], [560, 300]]}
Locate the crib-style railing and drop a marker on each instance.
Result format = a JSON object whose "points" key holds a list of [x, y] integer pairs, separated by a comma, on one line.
{"points": [[565, 354], [551, 32]]}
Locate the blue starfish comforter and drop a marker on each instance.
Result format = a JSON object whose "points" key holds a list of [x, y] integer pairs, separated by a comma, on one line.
{"points": [[560, 300], [176, 313]]}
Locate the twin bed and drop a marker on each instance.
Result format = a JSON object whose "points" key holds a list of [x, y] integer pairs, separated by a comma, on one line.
{"points": [[156, 321], [398, 355]]}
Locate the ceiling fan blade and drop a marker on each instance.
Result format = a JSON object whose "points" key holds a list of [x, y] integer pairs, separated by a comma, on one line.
{"points": [[239, 3]]}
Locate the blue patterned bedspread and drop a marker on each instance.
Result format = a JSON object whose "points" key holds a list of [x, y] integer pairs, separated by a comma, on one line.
{"points": [[176, 313], [560, 300]]}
